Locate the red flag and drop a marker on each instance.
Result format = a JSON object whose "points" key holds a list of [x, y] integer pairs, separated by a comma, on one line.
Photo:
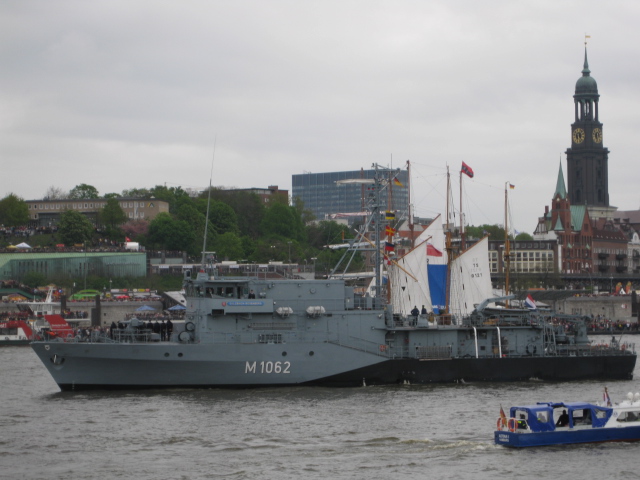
{"points": [[466, 169], [433, 251], [389, 247], [127, 239], [389, 230]]}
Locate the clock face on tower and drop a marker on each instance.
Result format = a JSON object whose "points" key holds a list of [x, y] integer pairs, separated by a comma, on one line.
{"points": [[578, 135], [597, 135]]}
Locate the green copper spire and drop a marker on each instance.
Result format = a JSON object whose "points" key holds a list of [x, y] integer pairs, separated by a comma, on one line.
{"points": [[560, 188], [585, 71], [586, 84]]}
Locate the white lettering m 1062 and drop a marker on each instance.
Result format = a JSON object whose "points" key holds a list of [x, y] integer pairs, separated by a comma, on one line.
{"points": [[267, 367]]}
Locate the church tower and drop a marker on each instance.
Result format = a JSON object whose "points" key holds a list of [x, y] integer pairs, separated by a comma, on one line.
{"points": [[588, 159]]}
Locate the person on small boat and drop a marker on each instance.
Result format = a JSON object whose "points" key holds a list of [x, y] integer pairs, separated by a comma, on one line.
{"points": [[563, 420], [522, 423]]}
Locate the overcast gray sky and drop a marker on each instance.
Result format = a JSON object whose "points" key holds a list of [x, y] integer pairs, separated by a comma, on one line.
{"points": [[122, 94]]}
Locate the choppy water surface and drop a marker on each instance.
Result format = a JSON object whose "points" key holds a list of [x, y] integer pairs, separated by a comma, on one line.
{"points": [[441, 431]]}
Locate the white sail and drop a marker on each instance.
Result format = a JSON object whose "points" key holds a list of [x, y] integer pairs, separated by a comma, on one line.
{"points": [[470, 279], [409, 281], [434, 234]]}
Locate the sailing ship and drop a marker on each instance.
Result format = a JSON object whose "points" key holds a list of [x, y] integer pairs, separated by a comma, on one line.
{"points": [[249, 332]]}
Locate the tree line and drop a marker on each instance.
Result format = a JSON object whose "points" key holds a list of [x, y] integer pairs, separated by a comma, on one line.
{"points": [[240, 227]]}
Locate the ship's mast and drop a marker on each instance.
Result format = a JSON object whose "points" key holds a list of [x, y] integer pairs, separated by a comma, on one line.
{"points": [[375, 215], [409, 208], [206, 221], [507, 246], [448, 247]]}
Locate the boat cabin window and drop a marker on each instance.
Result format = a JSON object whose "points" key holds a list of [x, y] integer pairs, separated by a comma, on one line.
{"points": [[629, 416], [542, 417], [521, 417], [601, 414], [582, 417]]}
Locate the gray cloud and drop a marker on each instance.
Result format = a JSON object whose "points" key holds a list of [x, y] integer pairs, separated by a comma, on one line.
{"points": [[124, 94]]}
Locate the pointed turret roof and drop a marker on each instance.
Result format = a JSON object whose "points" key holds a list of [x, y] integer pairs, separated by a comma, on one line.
{"points": [[560, 187], [586, 85]]}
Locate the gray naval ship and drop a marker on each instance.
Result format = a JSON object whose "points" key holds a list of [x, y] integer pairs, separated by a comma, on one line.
{"points": [[250, 332]]}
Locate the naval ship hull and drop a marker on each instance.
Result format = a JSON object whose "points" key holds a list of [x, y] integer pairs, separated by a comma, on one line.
{"points": [[73, 366]]}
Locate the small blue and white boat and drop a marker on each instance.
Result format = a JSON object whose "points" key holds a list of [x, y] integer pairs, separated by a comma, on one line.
{"points": [[562, 423]]}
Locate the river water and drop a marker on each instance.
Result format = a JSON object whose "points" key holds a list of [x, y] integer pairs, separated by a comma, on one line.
{"points": [[439, 431]]}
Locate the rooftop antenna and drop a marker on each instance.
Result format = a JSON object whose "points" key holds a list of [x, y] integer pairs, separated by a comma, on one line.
{"points": [[206, 220]]}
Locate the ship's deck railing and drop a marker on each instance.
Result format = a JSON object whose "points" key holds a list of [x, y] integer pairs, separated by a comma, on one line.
{"points": [[117, 336], [504, 322], [595, 350]]}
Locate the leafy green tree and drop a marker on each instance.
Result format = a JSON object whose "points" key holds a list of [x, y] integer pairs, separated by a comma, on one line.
{"points": [[171, 234], [84, 191], [13, 211], [169, 195], [111, 195], [248, 206], [327, 232], [306, 215], [524, 237], [74, 228], [223, 218], [190, 214], [112, 216], [228, 246], [279, 220], [495, 232], [137, 193]]}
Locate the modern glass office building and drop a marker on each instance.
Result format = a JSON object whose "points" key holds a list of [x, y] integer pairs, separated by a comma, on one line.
{"points": [[324, 197]]}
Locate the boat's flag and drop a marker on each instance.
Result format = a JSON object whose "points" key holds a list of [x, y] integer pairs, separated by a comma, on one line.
{"points": [[433, 251], [397, 182], [127, 239], [531, 305], [389, 230], [503, 418], [466, 169], [511, 186], [605, 397], [389, 215], [389, 247]]}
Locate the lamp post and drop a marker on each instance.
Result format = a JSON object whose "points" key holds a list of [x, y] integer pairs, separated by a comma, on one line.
{"points": [[289, 252]]}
